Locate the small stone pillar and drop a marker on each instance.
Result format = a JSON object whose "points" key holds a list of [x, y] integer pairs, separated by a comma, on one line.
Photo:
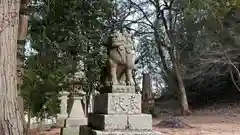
{"points": [[147, 95], [63, 108], [77, 108], [90, 105], [76, 117]]}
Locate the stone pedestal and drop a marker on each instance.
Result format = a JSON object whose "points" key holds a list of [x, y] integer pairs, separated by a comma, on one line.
{"points": [[63, 109], [75, 119], [118, 114]]}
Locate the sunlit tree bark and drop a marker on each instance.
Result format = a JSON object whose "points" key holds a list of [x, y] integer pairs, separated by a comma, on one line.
{"points": [[10, 116]]}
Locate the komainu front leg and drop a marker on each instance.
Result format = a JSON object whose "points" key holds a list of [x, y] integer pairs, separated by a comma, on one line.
{"points": [[113, 73], [123, 80], [130, 77]]}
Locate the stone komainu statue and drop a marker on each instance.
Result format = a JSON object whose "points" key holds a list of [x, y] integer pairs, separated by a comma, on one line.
{"points": [[118, 68]]}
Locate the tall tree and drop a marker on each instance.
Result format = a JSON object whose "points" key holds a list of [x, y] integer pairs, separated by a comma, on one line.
{"points": [[10, 116]]}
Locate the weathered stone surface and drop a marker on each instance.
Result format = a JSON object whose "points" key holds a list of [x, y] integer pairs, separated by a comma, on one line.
{"points": [[75, 122], [70, 131], [107, 122], [120, 122], [60, 122], [121, 59], [84, 130], [140, 122], [63, 106], [118, 89], [117, 103], [77, 108], [63, 109]]}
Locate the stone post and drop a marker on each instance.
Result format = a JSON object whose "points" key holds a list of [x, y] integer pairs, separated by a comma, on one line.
{"points": [[63, 108], [90, 105], [76, 117], [147, 95], [64, 98], [77, 108]]}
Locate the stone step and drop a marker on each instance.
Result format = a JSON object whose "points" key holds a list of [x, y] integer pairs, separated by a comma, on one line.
{"points": [[75, 122], [85, 130], [117, 103], [110, 122], [70, 131]]}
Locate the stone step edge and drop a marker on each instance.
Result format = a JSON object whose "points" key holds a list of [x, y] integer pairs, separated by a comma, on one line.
{"points": [[86, 130]]}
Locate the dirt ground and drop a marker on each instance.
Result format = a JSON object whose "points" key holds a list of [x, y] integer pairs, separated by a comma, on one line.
{"points": [[205, 125], [217, 120], [208, 121]]}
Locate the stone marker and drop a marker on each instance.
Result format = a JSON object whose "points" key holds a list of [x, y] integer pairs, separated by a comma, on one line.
{"points": [[90, 105], [63, 109], [147, 95], [76, 118], [117, 103], [117, 109]]}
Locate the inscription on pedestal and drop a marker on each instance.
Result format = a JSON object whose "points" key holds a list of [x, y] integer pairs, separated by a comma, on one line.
{"points": [[118, 103]]}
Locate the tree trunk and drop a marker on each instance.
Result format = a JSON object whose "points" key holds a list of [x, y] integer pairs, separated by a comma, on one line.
{"points": [[29, 121], [22, 34], [21, 109], [10, 116], [181, 89]]}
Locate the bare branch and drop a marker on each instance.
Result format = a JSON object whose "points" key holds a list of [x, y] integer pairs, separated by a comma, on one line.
{"points": [[236, 85], [142, 11], [152, 2], [137, 32]]}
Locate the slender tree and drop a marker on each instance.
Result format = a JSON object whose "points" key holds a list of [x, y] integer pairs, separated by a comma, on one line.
{"points": [[22, 34]]}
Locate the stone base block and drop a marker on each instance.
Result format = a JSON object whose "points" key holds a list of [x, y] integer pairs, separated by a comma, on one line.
{"points": [[107, 122], [84, 130], [75, 122], [70, 131], [120, 122], [140, 122], [118, 89], [117, 103]]}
